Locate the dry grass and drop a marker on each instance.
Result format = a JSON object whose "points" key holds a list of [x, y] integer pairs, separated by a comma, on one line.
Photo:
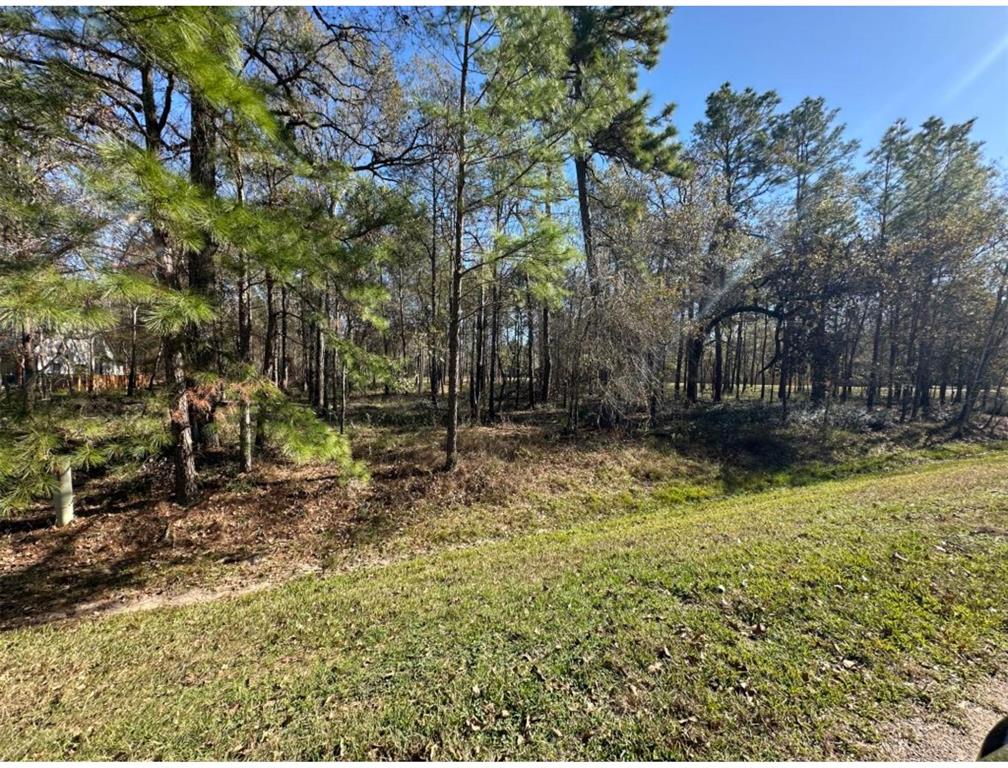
{"points": [[131, 544]]}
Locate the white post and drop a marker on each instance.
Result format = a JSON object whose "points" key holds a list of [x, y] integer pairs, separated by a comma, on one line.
{"points": [[63, 497], [246, 435]]}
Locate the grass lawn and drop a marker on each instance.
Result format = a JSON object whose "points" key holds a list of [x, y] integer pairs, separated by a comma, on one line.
{"points": [[787, 623]]}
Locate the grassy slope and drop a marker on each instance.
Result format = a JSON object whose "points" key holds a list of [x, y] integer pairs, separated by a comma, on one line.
{"points": [[776, 624]]}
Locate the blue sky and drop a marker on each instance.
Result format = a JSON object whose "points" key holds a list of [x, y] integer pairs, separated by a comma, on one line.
{"points": [[875, 63]]}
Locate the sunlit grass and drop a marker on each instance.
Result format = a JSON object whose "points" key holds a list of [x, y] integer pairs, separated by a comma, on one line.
{"points": [[789, 623]]}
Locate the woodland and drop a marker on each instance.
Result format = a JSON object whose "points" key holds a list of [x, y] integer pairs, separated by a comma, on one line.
{"points": [[289, 294]]}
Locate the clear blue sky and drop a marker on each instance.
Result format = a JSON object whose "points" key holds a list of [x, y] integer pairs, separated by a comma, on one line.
{"points": [[875, 63]]}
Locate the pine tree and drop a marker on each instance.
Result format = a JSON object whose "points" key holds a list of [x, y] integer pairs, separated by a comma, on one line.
{"points": [[813, 158], [508, 123], [735, 142], [608, 45], [150, 55]]}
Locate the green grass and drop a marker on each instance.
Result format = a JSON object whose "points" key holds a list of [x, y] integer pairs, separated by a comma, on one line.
{"points": [[785, 623], [520, 479]]}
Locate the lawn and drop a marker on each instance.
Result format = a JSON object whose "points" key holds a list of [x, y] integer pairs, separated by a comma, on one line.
{"points": [[794, 622]]}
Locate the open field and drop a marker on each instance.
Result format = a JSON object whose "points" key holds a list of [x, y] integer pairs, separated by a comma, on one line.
{"points": [[792, 622]]}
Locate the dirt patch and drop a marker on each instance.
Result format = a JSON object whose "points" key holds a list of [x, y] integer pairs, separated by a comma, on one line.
{"points": [[150, 601], [150, 551], [953, 735]]}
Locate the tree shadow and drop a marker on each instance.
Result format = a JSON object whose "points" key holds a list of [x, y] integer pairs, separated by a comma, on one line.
{"points": [[113, 551], [131, 539]]}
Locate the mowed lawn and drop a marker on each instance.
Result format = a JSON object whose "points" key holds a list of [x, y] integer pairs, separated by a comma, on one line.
{"points": [[791, 623]]}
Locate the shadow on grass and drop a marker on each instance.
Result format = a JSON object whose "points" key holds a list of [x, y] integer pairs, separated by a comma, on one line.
{"points": [[130, 537]]}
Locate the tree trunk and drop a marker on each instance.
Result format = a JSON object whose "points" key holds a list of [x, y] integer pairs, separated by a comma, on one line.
{"points": [[784, 385], [455, 298], [873, 376], [893, 351], [763, 362], [154, 369], [319, 382], [718, 376], [329, 360], [477, 366], [284, 375], [203, 175], [167, 274], [432, 327], [993, 338], [307, 339], [738, 359], [728, 366], [848, 375], [908, 397], [516, 366], [268, 338], [820, 361], [244, 315], [201, 345], [530, 355], [245, 437], [694, 353], [494, 352], [581, 173], [246, 434], [181, 428], [343, 395], [545, 361], [679, 355]]}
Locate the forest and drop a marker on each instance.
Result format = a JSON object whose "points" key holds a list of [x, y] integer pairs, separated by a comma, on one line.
{"points": [[297, 289]]}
